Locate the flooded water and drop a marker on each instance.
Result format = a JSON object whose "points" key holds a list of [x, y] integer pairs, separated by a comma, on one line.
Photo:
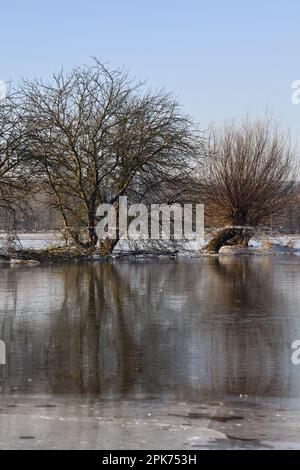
{"points": [[183, 331]]}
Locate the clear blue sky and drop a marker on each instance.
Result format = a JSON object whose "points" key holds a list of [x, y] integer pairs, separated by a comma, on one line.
{"points": [[221, 58]]}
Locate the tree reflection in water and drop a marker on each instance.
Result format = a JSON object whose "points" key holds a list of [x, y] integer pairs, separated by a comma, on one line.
{"points": [[183, 330]]}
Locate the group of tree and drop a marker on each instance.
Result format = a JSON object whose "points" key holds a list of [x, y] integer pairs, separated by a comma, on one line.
{"points": [[92, 135]]}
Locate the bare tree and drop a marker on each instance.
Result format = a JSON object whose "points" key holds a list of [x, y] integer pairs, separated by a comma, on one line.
{"points": [[96, 136], [15, 180], [249, 176]]}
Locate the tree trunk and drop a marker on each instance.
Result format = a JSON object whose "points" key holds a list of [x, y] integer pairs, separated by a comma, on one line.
{"points": [[107, 246], [92, 235], [232, 236], [239, 217]]}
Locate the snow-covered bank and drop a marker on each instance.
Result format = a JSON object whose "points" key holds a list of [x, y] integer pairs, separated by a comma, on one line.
{"points": [[37, 240], [281, 244], [260, 244]]}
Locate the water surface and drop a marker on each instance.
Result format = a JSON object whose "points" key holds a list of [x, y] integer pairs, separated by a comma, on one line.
{"points": [[179, 330]]}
